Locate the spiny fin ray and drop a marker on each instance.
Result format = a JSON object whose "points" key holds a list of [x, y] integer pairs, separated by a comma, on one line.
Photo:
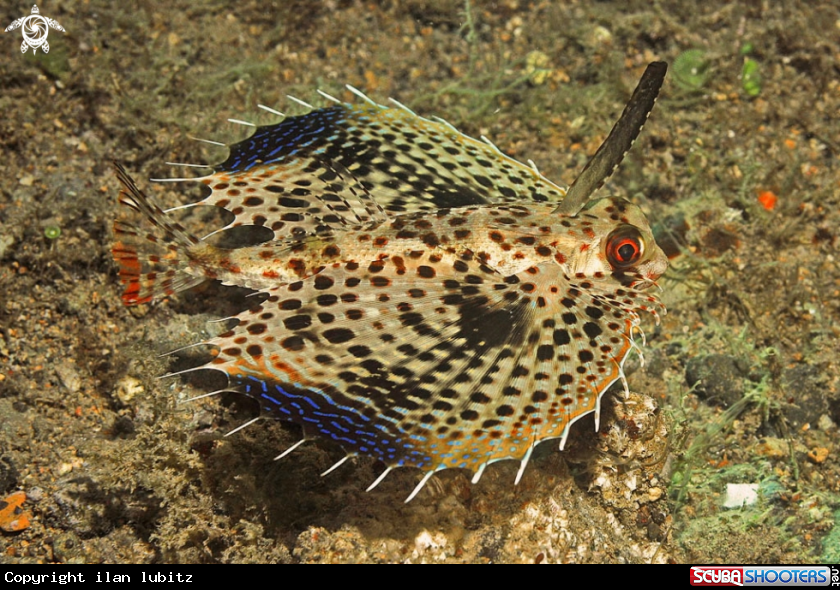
{"points": [[618, 142]]}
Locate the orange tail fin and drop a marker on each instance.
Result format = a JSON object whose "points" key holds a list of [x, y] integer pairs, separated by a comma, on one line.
{"points": [[154, 260]]}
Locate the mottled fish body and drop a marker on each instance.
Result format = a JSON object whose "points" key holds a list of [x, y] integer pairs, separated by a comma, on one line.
{"points": [[429, 302]]}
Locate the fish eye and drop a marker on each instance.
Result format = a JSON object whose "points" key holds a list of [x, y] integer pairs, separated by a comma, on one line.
{"points": [[625, 247]]}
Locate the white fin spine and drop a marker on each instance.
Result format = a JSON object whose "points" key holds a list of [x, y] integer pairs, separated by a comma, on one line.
{"points": [[196, 179], [190, 370], [598, 412], [181, 349], [271, 110], [241, 122], [336, 465], [565, 436], [300, 102], [203, 395], [290, 449], [477, 475], [379, 479], [329, 97], [491, 144], [402, 106], [183, 207], [210, 141], [523, 464], [243, 426], [187, 165], [362, 95], [447, 124], [220, 320], [624, 384], [637, 348], [216, 231], [420, 485]]}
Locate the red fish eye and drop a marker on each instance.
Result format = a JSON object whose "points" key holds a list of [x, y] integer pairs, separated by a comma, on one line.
{"points": [[624, 247], [627, 250]]}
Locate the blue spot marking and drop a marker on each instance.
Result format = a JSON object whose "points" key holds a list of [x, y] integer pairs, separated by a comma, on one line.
{"points": [[312, 403], [287, 138], [316, 409], [341, 428]]}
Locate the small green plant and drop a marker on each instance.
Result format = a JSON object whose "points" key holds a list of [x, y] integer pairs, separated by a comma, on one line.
{"points": [[52, 232], [751, 77], [692, 70]]}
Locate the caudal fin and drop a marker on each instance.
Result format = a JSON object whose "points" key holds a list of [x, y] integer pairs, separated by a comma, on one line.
{"points": [[153, 257]]}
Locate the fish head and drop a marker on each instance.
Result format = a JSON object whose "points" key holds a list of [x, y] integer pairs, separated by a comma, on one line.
{"points": [[615, 240]]}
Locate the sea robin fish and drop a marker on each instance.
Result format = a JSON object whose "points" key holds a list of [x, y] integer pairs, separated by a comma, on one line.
{"points": [[429, 301]]}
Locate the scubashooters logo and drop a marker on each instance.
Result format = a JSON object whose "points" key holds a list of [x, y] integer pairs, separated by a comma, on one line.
{"points": [[760, 576], [717, 576]]}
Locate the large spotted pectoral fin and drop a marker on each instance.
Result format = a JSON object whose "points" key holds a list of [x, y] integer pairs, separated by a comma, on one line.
{"points": [[437, 362], [352, 349]]}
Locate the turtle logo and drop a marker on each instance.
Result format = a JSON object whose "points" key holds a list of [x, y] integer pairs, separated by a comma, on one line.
{"points": [[35, 29]]}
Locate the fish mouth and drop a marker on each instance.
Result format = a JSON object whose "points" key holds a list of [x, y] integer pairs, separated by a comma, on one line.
{"points": [[632, 280], [646, 283], [637, 280], [652, 270]]}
